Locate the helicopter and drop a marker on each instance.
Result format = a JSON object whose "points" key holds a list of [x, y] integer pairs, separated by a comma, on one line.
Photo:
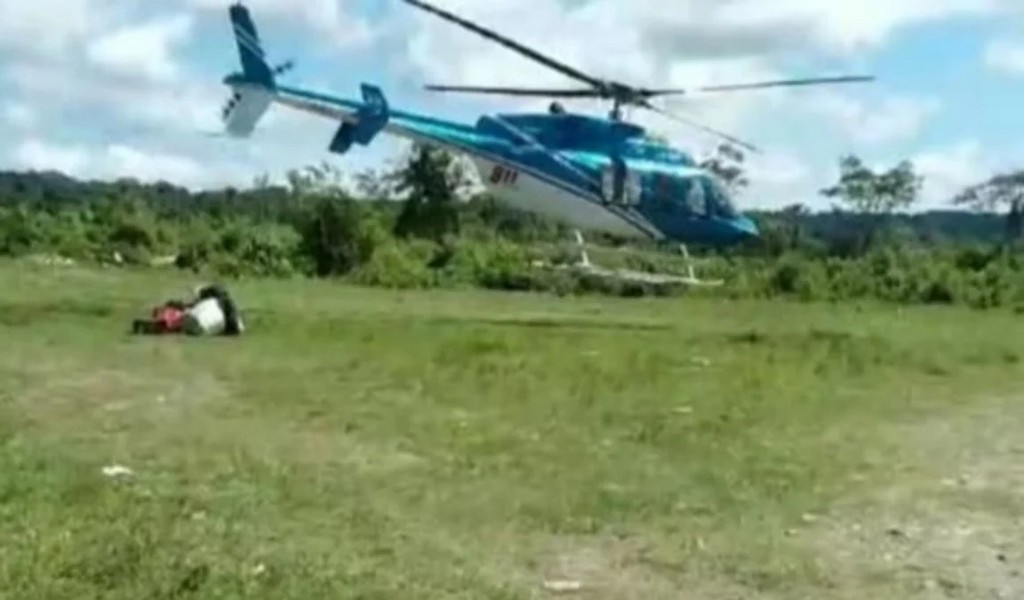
{"points": [[598, 174]]}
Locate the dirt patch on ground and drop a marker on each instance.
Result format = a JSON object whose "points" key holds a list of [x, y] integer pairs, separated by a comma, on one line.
{"points": [[950, 524], [606, 568]]}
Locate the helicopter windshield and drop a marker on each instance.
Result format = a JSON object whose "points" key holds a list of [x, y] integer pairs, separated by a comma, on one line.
{"points": [[701, 196], [719, 200]]}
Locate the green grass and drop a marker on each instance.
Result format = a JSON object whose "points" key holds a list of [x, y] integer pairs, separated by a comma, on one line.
{"points": [[370, 444]]}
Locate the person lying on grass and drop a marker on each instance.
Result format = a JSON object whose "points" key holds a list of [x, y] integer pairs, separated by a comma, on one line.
{"points": [[212, 311]]}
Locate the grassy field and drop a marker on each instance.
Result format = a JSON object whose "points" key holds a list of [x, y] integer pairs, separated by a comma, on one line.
{"points": [[370, 444]]}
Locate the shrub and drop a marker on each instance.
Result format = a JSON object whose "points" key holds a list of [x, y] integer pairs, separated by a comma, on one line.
{"points": [[318, 230], [397, 265]]}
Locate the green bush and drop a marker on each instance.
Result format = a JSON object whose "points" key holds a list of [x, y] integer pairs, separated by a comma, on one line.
{"points": [[318, 230], [397, 265], [494, 264], [339, 234]]}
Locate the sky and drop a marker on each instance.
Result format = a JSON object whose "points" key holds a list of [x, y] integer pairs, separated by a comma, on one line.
{"points": [[101, 89]]}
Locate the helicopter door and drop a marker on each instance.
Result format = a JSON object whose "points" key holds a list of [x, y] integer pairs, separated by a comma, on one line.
{"points": [[608, 184], [619, 185], [634, 188]]}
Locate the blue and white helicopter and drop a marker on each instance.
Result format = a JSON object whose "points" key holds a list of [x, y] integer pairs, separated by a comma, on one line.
{"points": [[599, 174]]}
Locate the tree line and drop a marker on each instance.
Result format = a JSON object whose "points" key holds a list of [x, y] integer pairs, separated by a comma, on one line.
{"points": [[421, 224]]}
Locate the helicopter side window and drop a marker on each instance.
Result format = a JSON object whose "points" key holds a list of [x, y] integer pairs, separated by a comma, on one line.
{"points": [[661, 189], [633, 188], [720, 200], [695, 199]]}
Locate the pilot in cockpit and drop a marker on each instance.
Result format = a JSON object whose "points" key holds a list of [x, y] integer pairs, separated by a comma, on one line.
{"points": [[556, 108]]}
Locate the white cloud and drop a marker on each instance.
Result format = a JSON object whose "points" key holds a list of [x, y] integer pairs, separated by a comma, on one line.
{"points": [[634, 37], [118, 160], [778, 179], [142, 51], [778, 169], [846, 25], [20, 115], [893, 118], [165, 106], [1005, 56], [138, 115], [45, 26], [949, 170], [39, 155], [328, 18], [150, 166]]}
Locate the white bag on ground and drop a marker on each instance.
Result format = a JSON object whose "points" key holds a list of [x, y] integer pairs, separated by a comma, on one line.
{"points": [[204, 318]]}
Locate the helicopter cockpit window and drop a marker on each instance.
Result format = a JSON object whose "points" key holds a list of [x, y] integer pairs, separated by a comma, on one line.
{"points": [[720, 200]]}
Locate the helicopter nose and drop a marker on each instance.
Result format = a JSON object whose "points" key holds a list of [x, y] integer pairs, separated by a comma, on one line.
{"points": [[746, 227]]}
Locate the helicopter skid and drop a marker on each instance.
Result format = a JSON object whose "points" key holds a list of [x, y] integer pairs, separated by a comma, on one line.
{"points": [[585, 267], [640, 277]]}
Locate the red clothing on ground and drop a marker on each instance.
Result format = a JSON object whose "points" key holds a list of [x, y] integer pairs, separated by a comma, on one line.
{"points": [[169, 318]]}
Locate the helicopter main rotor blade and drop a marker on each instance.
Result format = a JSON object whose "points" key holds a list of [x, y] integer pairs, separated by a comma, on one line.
{"points": [[513, 91], [704, 128], [504, 41], [649, 93], [786, 83]]}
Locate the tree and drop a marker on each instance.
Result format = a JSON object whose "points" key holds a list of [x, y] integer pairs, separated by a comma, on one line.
{"points": [[867, 192], [727, 163], [323, 181], [874, 195], [261, 182], [373, 185], [339, 234], [1004, 191], [432, 181], [793, 216]]}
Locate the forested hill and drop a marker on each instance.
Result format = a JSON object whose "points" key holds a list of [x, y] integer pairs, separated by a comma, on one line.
{"points": [[936, 225], [54, 187]]}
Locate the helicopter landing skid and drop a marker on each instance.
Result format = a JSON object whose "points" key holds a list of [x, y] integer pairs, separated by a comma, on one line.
{"points": [[630, 276]]}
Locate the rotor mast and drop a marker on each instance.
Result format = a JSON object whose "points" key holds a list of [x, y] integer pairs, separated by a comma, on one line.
{"points": [[616, 114]]}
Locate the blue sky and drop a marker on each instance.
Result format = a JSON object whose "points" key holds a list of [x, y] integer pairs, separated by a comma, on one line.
{"points": [[106, 88]]}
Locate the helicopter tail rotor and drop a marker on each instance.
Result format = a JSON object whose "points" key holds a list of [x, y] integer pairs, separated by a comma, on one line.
{"points": [[284, 67]]}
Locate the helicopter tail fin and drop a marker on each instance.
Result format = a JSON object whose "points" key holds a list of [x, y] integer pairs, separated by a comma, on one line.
{"points": [[254, 88], [255, 69]]}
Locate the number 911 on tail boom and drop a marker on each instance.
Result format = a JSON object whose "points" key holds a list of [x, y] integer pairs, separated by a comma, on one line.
{"points": [[595, 173]]}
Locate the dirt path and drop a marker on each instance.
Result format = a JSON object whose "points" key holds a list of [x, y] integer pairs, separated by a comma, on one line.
{"points": [[949, 525]]}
